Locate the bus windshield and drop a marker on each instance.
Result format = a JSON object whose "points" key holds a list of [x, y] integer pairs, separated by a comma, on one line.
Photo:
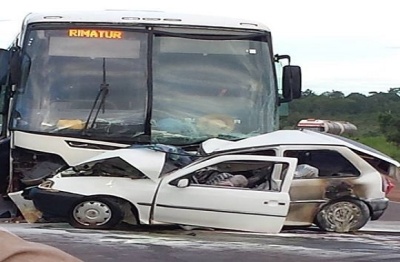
{"points": [[74, 76], [177, 87]]}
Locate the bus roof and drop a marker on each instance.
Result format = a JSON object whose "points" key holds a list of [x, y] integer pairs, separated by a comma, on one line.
{"points": [[144, 17]]}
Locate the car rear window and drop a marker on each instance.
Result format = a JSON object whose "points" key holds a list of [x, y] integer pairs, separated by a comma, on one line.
{"points": [[329, 163]]}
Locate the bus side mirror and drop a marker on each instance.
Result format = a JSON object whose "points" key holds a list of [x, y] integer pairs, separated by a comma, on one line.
{"points": [[10, 66], [15, 66], [4, 65], [291, 83]]}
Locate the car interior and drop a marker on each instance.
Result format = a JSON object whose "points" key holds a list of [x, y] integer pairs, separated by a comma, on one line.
{"points": [[329, 163]]}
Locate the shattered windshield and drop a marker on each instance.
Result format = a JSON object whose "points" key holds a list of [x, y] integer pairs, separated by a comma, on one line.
{"points": [[207, 86], [84, 82], [115, 167]]}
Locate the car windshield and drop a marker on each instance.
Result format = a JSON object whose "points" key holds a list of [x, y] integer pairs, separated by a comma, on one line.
{"points": [[114, 167]]}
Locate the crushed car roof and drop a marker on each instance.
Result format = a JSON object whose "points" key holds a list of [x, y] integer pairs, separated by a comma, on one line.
{"points": [[293, 137]]}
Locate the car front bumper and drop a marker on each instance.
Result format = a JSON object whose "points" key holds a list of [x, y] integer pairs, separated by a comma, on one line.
{"points": [[53, 204]]}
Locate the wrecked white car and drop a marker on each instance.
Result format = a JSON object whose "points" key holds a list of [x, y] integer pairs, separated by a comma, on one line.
{"points": [[287, 177], [107, 190], [339, 184]]}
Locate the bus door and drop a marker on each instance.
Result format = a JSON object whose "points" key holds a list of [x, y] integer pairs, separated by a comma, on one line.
{"points": [[4, 105]]}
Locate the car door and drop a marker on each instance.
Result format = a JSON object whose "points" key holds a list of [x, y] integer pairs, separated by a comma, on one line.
{"points": [[236, 208]]}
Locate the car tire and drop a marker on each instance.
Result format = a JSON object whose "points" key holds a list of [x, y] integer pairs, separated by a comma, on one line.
{"points": [[95, 213], [342, 215]]}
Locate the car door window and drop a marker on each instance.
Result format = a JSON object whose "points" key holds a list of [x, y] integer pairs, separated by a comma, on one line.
{"points": [[321, 163], [254, 175]]}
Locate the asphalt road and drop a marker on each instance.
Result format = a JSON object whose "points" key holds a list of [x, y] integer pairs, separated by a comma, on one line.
{"points": [[392, 213], [379, 241], [173, 244]]}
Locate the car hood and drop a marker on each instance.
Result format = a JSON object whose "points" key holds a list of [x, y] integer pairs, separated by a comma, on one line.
{"points": [[149, 162], [292, 137]]}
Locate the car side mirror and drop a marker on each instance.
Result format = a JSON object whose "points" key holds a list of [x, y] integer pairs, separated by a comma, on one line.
{"points": [[182, 183]]}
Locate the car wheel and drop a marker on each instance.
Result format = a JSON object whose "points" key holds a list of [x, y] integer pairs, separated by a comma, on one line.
{"points": [[343, 215], [95, 213]]}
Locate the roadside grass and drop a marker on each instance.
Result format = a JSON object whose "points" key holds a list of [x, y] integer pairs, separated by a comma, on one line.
{"points": [[379, 143]]}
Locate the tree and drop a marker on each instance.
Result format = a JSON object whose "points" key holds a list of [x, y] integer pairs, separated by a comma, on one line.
{"points": [[333, 94], [308, 92], [390, 126], [394, 90]]}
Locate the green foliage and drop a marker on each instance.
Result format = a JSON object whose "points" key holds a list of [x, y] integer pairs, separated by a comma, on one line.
{"points": [[380, 143], [390, 126]]}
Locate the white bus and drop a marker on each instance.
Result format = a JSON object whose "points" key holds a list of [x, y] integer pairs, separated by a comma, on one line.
{"points": [[76, 84]]}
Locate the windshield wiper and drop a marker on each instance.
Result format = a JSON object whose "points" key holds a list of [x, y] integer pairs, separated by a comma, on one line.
{"points": [[101, 95]]}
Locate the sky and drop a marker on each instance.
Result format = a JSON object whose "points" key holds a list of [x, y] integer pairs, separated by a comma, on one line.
{"points": [[352, 46]]}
